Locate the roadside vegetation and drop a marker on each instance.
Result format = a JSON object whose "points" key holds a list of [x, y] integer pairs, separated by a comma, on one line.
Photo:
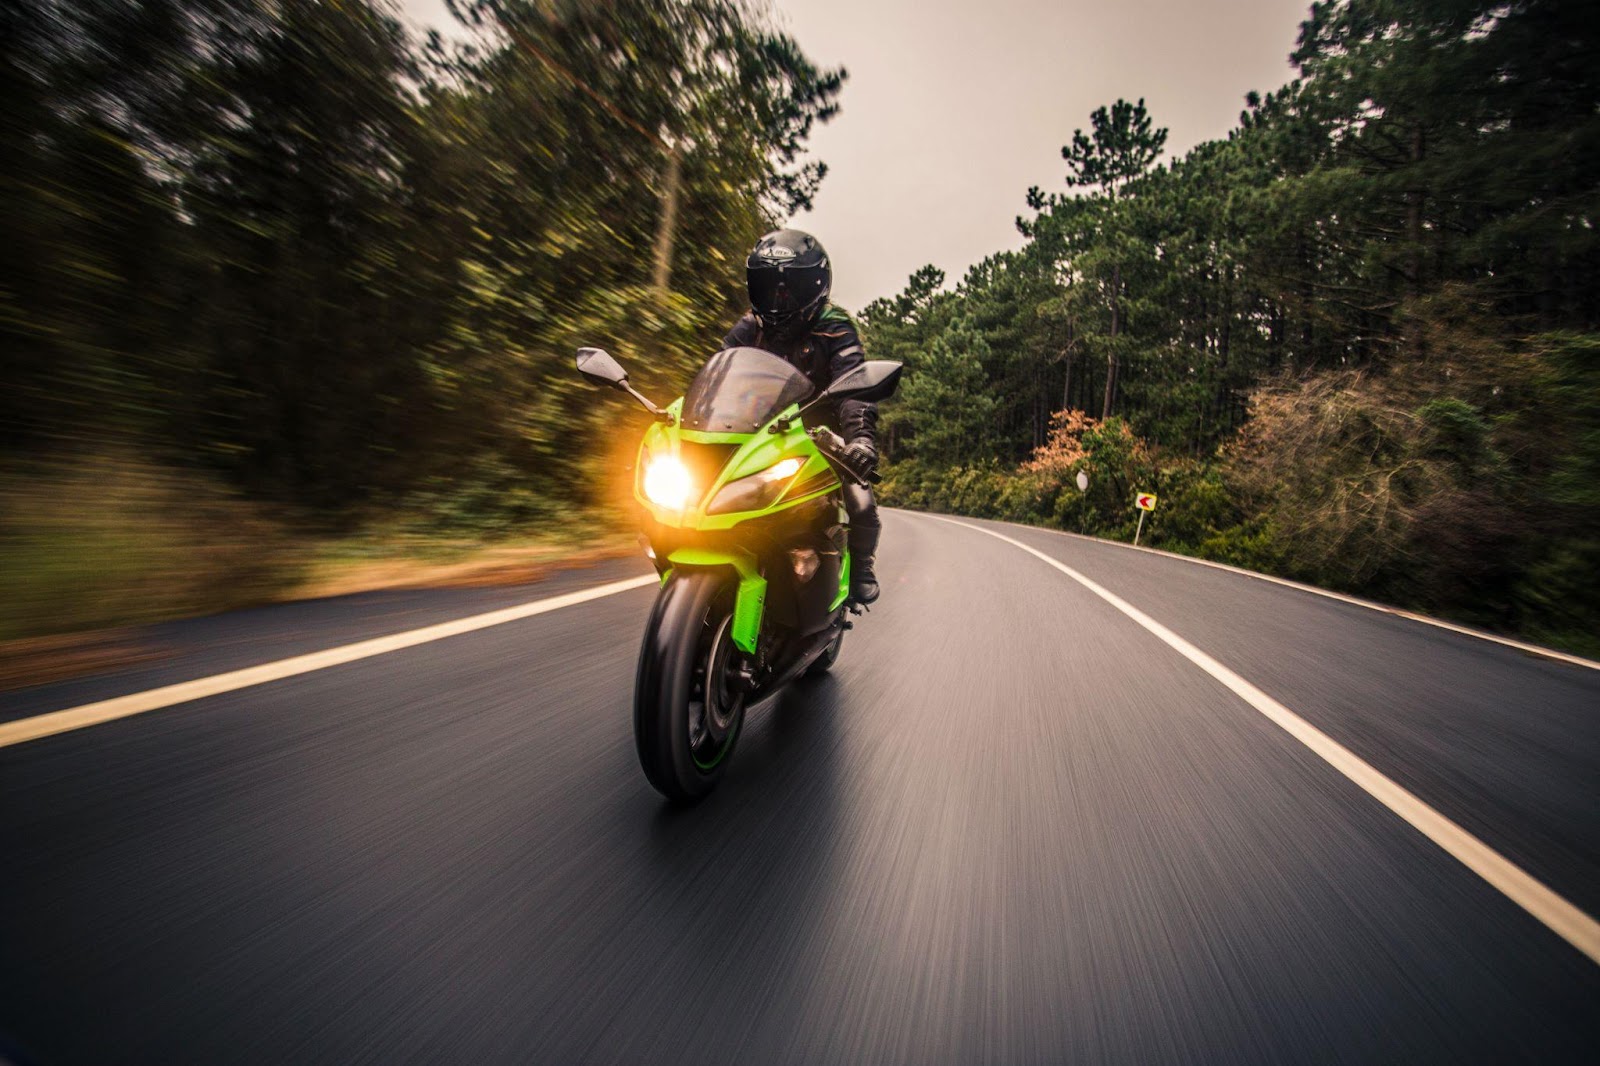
{"points": [[116, 541], [1356, 343], [288, 294]]}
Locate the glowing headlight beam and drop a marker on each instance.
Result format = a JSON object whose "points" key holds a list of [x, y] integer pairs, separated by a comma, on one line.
{"points": [[667, 483]]}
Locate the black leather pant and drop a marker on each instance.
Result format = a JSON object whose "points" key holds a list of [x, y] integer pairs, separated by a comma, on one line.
{"points": [[864, 525]]}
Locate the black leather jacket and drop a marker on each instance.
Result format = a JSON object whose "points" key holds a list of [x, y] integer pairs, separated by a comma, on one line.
{"points": [[831, 348]]}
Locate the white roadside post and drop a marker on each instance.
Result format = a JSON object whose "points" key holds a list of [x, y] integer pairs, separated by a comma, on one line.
{"points": [[1145, 501]]}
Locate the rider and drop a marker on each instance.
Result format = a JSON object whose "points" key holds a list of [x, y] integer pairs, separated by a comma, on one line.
{"points": [[789, 278]]}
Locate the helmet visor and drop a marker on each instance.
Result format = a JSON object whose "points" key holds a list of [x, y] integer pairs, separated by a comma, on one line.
{"points": [[778, 293]]}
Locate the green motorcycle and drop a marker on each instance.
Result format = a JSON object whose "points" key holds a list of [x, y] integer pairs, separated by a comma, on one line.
{"points": [[747, 527]]}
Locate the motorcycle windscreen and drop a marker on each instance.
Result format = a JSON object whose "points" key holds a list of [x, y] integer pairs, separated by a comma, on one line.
{"points": [[739, 390]]}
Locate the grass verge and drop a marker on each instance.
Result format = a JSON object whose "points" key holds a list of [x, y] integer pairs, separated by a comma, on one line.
{"points": [[92, 551]]}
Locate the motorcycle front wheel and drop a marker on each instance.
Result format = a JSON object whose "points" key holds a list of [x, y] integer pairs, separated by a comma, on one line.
{"points": [[688, 699], [824, 662]]}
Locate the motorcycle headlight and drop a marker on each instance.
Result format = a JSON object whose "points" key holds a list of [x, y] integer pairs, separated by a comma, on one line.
{"points": [[756, 491], [667, 482]]}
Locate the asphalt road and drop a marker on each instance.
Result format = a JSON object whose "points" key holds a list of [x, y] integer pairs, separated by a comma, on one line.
{"points": [[1012, 826]]}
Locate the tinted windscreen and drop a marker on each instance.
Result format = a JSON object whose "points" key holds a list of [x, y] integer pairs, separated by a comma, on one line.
{"points": [[740, 389]]}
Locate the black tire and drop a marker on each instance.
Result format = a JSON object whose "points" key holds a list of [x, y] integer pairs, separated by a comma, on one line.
{"points": [[824, 662], [686, 645]]}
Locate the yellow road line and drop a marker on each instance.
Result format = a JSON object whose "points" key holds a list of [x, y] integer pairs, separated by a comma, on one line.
{"points": [[1527, 892], [89, 714]]}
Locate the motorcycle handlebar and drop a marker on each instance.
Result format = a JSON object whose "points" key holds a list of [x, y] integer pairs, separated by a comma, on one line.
{"points": [[831, 445]]}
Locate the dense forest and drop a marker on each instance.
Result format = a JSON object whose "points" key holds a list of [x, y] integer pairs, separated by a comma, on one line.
{"points": [[1357, 342], [280, 270]]}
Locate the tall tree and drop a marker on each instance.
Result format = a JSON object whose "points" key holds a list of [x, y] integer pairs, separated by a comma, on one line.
{"points": [[1120, 147], [283, 241]]}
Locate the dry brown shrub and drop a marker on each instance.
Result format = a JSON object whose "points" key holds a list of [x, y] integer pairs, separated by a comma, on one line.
{"points": [[1072, 441], [1360, 486], [1335, 461]]}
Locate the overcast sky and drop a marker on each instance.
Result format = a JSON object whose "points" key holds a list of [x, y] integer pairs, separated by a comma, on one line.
{"points": [[954, 107]]}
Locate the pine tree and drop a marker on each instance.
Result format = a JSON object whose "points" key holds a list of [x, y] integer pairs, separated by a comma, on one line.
{"points": [[1121, 148]]}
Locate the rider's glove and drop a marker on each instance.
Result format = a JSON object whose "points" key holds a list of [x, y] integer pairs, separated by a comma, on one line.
{"points": [[861, 455]]}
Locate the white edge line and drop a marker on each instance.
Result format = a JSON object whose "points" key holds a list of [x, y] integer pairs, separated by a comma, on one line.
{"points": [[53, 722], [1371, 605], [1532, 895]]}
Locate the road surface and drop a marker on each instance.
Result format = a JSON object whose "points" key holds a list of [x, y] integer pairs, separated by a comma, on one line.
{"points": [[1015, 825]]}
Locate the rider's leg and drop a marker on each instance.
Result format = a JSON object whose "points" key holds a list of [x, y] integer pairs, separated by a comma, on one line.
{"points": [[864, 531]]}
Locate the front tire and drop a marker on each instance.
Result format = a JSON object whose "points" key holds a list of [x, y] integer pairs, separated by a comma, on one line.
{"points": [[830, 655], [687, 706]]}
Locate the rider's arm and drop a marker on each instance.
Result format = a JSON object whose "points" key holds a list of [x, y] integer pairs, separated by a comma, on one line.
{"points": [[744, 333], [857, 420]]}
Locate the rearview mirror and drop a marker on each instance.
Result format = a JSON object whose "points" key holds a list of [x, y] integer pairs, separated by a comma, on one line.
{"points": [[598, 368], [871, 382]]}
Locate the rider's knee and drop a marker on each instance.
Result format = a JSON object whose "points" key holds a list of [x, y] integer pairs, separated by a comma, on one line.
{"points": [[862, 507]]}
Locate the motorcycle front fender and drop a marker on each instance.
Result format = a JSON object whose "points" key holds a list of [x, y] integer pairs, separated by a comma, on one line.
{"points": [[750, 600]]}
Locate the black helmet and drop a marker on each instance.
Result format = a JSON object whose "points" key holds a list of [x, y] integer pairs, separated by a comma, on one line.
{"points": [[789, 279]]}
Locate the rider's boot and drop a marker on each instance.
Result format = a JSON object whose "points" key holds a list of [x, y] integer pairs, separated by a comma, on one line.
{"points": [[863, 552]]}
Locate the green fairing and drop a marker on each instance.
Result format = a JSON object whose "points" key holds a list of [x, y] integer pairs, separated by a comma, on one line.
{"points": [[757, 452], [751, 599]]}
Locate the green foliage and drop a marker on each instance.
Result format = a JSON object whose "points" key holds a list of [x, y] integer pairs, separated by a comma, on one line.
{"points": [[284, 249], [1255, 545], [1573, 394], [1556, 596], [345, 271], [946, 399], [1121, 148], [1455, 430], [1353, 343]]}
